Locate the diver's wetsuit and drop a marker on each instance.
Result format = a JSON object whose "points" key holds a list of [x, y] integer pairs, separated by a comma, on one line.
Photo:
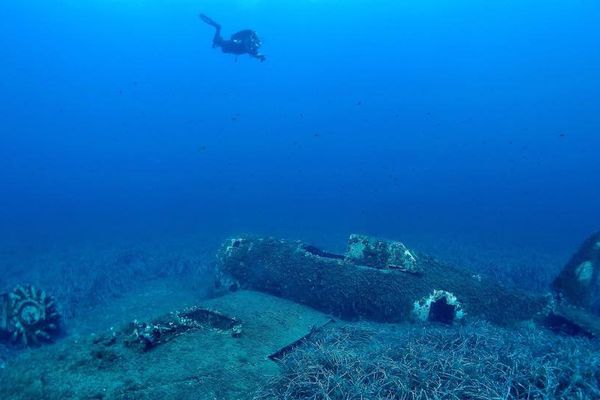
{"points": [[243, 42]]}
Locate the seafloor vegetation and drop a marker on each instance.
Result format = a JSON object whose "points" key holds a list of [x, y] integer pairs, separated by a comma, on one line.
{"points": [[476, 361], [102, 287]]}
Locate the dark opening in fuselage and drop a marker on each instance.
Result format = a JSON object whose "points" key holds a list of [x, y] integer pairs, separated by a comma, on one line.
{"points": [[442, 312]]}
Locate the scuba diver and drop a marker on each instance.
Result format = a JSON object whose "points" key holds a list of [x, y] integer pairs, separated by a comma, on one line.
{"points": [[243, 42]]}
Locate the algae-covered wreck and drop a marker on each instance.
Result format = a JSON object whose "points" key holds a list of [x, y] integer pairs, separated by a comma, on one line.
{"points": [[385, 281]]}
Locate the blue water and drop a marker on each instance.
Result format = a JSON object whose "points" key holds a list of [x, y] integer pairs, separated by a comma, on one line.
{"points": [[394, 118]]}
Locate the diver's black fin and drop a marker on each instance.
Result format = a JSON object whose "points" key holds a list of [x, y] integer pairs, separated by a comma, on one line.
{"points": [[209, 21]]}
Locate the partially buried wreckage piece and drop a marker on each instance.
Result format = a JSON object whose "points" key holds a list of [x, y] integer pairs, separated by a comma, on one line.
{"points": [[577, 291]]}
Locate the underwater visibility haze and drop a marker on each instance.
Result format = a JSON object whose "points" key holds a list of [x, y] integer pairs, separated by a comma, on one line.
{"points": [[136, 136], [384, 116]]}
